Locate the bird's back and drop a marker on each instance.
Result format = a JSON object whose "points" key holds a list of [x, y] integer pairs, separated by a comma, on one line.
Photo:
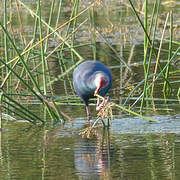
{"points": [[83, 75]]}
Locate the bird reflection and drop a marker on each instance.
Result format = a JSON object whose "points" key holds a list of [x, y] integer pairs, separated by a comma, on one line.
{"points": [[93, 159]]}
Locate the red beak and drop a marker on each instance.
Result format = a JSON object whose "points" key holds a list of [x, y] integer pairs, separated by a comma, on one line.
{"points": [[97, 90]]}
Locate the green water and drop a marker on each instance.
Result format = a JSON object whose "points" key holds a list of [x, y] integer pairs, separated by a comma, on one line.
{"points": [[133, 148]]}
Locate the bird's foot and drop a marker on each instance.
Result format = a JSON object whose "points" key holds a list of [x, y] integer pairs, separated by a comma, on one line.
{"points": [[99, 105]]}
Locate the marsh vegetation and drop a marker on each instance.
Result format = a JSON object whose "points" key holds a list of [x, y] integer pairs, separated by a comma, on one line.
{"points": [[41, 42]]}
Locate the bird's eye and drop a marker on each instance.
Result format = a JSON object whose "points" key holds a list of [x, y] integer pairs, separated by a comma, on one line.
{"points": [[104, 82]]}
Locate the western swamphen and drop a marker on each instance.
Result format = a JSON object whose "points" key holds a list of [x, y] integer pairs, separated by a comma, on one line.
{"points": [[91, 78]]}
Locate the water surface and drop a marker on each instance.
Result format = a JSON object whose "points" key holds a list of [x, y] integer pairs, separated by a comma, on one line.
{"points": [[132, 149]]}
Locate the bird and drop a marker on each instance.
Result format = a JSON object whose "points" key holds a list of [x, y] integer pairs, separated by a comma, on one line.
{"points": [[90, 78]]}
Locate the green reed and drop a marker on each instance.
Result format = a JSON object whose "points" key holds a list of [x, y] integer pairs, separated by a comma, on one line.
{"points": [[11, 70], [167, 87], [1, 99], [147, 61], [21, 110], [159, 75], [28, 63], [178, 93], [23, 66], [5, 37], [150, 29], [44, 64]]}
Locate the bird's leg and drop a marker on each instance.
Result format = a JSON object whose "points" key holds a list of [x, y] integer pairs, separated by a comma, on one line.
{"points": [[99, 104], [88, 113]]}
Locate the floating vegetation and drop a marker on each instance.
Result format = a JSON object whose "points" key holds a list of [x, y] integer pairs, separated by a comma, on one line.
{"points": [[89, 131]]}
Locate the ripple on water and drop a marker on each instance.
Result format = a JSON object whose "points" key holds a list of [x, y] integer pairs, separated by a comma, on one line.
{"points": [[163, 124]]}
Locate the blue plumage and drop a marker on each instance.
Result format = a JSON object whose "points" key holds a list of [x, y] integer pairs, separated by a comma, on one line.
{"points": [[86, 78]]}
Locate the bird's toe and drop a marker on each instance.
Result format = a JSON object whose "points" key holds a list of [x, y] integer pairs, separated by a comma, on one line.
{"points": [[103, 104]]}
